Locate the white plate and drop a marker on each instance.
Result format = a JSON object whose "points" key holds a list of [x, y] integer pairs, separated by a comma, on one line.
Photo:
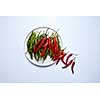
{"points": [[48, 62]]}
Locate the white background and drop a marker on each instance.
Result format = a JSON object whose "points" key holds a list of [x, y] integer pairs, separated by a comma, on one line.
{"points": [[79, 34], [40, 7]]}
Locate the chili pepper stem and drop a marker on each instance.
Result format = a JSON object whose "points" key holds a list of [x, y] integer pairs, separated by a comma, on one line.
{"points": [[74, 58], [75, 54], [64, 49]]}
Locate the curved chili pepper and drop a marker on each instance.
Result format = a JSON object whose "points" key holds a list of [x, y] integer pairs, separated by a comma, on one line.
{"points": [[45, 48], [61, 57], [68, 64], [49, 43], [55, 45], [72, 67], [68, 57], [40, 45], [43, 52], [46, 43], [35, 47], [52, 48], [58, 55], [55, 57]]}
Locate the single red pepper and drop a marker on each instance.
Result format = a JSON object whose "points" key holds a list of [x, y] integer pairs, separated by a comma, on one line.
{"points": [[49, 43], [39, 45], [55, 45], [45, 48], [72, 67], [68, 64], [43, 52], [50, 47], [35, 47], [46, 44], [68, 57]]}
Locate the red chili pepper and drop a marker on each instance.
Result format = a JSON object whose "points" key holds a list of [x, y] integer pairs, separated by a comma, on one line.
{"points": [[43, 52], [45, 47], [55, 45], [72, 67], [68, 57], [39, 45], [68, 64], [70, 61], [49, 43], [55, 57], [35, 47], [46, 44], [61, 57], [58, 55]]}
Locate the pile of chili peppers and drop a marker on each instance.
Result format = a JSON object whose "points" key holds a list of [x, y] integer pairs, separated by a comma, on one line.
{"points": [[40, 46]]}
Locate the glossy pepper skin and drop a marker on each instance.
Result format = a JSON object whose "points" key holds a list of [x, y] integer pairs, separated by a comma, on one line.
{"points": [[68, 57], [36, 48], [43, 52], [72, 67]]}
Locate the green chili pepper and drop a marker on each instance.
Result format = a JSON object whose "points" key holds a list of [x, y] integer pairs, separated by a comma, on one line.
{"points": [[30, 40], [35, 56], [35, 42], [58, 43], [38, 37], [39, 54], [50, 53], [30, 44]]}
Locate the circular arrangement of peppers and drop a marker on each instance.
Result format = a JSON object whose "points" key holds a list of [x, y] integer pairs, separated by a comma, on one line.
{"points": [[42, 45]]}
